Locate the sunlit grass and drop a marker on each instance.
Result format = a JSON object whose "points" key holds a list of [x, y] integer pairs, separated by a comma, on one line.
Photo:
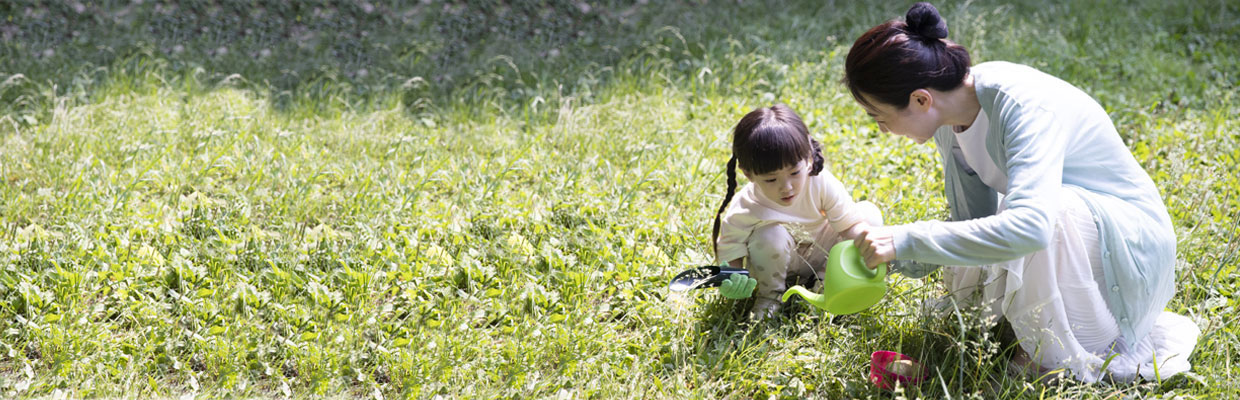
{"points": [[500, 220]]}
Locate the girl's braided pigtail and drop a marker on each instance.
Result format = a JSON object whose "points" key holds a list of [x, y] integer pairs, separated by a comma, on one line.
{"points": [[726, 199], [818, 160]]}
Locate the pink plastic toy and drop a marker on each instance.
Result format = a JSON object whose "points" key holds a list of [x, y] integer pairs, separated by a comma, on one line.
{"points": [[883, 376]]}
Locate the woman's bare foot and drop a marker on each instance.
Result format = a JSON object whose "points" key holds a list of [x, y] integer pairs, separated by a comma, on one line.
{"points": [[1022, 365]]}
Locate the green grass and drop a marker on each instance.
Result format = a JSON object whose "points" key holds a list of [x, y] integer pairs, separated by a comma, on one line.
{"points": [[436, 199]]}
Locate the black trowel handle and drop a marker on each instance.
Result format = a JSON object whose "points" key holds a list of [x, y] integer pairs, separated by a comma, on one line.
{"points": [[720, 274], [704, 276]]}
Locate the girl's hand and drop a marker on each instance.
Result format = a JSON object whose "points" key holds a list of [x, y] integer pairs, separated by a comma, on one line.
{"points": [[855, 231], [876, 245], [738, 287]]}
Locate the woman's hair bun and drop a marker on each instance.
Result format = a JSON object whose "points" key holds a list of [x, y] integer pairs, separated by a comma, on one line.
{"points": [[924, 20]]}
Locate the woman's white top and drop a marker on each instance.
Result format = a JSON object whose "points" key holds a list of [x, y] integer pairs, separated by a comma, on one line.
{"points": [[1048, 135], [973, 151]]}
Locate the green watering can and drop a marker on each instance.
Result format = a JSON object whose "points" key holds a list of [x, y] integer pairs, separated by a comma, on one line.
{"points": [[847, 286]]}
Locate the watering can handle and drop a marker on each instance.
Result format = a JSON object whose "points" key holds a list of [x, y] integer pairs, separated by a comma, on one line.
{"points": [[881, 273]]}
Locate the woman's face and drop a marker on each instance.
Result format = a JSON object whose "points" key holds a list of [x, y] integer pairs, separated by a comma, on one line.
{"points": [[781, 186], [917, 121]]}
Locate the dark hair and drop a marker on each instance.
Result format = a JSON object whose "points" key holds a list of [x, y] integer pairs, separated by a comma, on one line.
{"points": [[892, 60], [764, 141]]}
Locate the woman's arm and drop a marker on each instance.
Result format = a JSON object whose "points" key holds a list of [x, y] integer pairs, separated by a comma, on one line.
{"points": [[1034, 142]]}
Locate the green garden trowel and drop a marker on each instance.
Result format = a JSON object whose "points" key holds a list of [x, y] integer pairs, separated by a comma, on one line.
{"points": [[704, 276]]}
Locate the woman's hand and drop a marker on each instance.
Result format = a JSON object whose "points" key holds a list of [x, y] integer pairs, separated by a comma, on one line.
{"points": [[876, 245]]}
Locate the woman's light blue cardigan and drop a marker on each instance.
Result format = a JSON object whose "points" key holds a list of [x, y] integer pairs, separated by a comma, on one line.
{"points": [[1050, 136]]}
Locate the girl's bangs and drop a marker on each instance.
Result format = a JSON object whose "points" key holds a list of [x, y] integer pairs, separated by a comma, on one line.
{"points": [[773, 147]]}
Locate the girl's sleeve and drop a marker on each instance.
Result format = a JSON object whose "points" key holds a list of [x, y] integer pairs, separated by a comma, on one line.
{"points": [[1034, 143], [734, 230], [837, 205]]}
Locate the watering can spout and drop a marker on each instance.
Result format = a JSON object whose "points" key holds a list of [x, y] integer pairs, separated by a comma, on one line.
{"points": [[817, 299], [847, 285]]}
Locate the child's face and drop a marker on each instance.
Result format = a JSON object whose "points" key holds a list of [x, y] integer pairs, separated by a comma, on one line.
{"points": [[782, 186]]}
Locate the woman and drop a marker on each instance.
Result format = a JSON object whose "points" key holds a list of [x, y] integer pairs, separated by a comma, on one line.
{"points": [[1053, 222]]}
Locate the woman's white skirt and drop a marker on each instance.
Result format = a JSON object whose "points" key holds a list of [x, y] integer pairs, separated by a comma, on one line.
{"points": [[1053, 301]]}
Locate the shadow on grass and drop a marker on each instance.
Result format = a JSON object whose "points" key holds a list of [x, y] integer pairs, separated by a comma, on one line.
{"points": [[492, 56], [322, 55]]}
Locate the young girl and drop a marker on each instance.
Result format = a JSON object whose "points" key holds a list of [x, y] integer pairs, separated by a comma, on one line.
{"points": [[1053, 222], [791, 212]]}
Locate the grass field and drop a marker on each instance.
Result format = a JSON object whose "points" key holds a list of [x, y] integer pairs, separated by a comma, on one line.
{"points": [[487, 199]]}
